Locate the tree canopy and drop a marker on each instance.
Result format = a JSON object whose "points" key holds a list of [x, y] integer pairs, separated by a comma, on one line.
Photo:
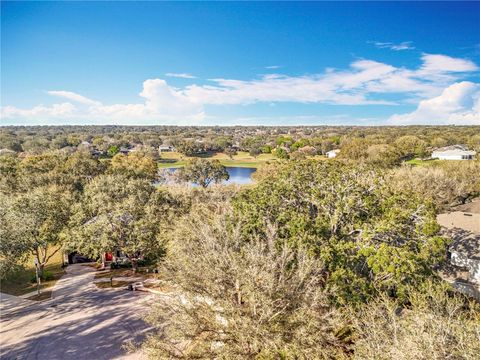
{"points": [[203, 172]]}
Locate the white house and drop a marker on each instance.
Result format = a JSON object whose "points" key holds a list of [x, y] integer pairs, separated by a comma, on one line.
{"points": [[332, 153], [454, 152]]}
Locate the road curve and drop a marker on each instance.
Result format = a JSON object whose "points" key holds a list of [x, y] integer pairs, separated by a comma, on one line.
{"points": [[80, 322]]}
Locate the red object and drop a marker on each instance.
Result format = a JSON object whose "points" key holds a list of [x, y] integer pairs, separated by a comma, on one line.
{"points": [[108, 256]]}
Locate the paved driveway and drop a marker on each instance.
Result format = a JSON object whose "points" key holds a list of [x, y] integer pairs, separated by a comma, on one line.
{"points": [[80, 322]]}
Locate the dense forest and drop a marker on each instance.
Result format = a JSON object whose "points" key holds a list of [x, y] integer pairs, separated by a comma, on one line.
{"points": [[317, 259]]}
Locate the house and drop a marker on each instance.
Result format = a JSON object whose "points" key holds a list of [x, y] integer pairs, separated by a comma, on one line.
{"points": [[463, 226], [6, 151], [332, 153], [454, 152], [465, 252], [85, 144], [165, 148]]}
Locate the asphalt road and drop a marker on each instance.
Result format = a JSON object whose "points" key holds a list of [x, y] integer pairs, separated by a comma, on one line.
{"points": [[80, 322]]}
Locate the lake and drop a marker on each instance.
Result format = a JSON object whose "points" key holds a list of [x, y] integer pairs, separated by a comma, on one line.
{"points": [[238, 175]]}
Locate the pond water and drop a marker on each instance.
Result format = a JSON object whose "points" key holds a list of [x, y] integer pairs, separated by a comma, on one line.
{"points": [[238, 175]]}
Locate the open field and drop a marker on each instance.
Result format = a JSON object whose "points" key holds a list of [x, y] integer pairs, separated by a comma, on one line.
{"points": [[19, 282], [242, 159]]}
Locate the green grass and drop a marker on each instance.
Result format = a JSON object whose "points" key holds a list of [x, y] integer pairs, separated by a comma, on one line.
{"points": [[419, 162], [242, 159], [19, 282], [171, 165]]}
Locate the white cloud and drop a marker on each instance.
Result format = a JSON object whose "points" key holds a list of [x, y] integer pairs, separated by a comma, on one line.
{"points": [[56, 110], [405, 45], [74, 97], [364, 82], [273, 67], [458, 104], [181, 75], [162, 103], [444, 64]]}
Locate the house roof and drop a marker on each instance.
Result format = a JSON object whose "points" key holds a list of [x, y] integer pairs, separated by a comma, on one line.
{"points": [[460, 220], [336, 151], [465, 243], [454, 150], [452, 147]]}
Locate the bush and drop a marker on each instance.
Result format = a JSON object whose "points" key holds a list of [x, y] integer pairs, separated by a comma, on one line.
{"points": [[445, 183], [46, 276], [242, 299], [437, 325]]}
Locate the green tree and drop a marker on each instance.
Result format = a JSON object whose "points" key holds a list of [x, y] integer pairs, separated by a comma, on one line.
{"points": [[32, 223], [410, 146], [354, 149], [369, 237], [203, 172], [135, 164], [281, 153], [255, 151], [122, 213], [230, 152], [267, 149], [113, 150]]}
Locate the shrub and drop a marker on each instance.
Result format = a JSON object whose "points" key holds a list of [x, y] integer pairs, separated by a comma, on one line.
{"points": [[46, 276], [242, 299], [437, 325], [444, 183]]}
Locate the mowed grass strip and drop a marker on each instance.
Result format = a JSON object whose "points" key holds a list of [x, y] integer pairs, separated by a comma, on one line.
{"points": [[242, 159]]}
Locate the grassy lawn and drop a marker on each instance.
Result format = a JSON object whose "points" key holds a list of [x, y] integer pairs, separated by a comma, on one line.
{"points": [[242, 159], [419, 162], [19, 283]]}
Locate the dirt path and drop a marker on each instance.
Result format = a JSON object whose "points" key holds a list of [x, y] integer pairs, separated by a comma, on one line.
{"points": [[80, 322]]}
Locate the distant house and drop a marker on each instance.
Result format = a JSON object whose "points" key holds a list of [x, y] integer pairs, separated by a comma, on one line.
{"points": [[332, 153], [6, 151], [85, 144], [124, 151], [165, 148], [454, 152]]}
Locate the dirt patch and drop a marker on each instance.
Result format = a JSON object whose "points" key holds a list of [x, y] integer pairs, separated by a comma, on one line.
{"points": [[113, 284], [45, 295], [123, 273]]}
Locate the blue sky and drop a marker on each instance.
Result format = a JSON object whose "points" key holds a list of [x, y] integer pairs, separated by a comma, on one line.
{"points": [[240, 63]]}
